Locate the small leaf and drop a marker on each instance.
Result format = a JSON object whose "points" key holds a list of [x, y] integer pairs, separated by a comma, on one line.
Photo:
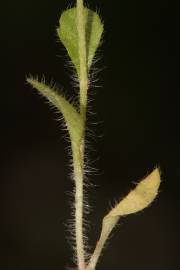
{"points": [[68, 34], [71, 116], [138, 199]]}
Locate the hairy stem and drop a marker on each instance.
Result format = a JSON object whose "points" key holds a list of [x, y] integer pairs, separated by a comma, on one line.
{"points": [[78, 177], [78, 154]]}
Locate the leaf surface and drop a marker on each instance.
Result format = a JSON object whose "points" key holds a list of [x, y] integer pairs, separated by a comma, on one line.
{"points": [[138, 199], [68, 34]]}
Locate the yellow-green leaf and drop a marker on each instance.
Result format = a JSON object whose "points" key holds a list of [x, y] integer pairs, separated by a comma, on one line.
{"points": [[68, 34], [138, 199]]}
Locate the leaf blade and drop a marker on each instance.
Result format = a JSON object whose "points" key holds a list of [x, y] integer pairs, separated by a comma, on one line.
{"points": [[71, 116], [68, 34], [140, 197]]}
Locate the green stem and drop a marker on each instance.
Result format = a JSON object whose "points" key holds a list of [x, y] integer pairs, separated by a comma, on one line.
{"points": [[78, 153], [78, 178]]}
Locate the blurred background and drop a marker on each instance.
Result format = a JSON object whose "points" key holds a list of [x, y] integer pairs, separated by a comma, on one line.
{"points": [[136, 121]]}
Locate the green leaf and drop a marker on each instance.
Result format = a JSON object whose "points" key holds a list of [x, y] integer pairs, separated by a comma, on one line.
{"points": [[68, 34], [71, 116]]}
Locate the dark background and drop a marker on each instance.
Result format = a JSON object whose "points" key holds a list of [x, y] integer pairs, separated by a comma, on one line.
{"points": [[137, 115]]}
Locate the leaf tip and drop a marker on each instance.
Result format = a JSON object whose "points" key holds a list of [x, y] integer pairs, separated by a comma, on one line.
{"points": [[30, 80], [150, 185]]}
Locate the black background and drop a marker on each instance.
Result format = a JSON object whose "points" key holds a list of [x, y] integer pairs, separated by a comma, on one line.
{"points": [[137, 126]]}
